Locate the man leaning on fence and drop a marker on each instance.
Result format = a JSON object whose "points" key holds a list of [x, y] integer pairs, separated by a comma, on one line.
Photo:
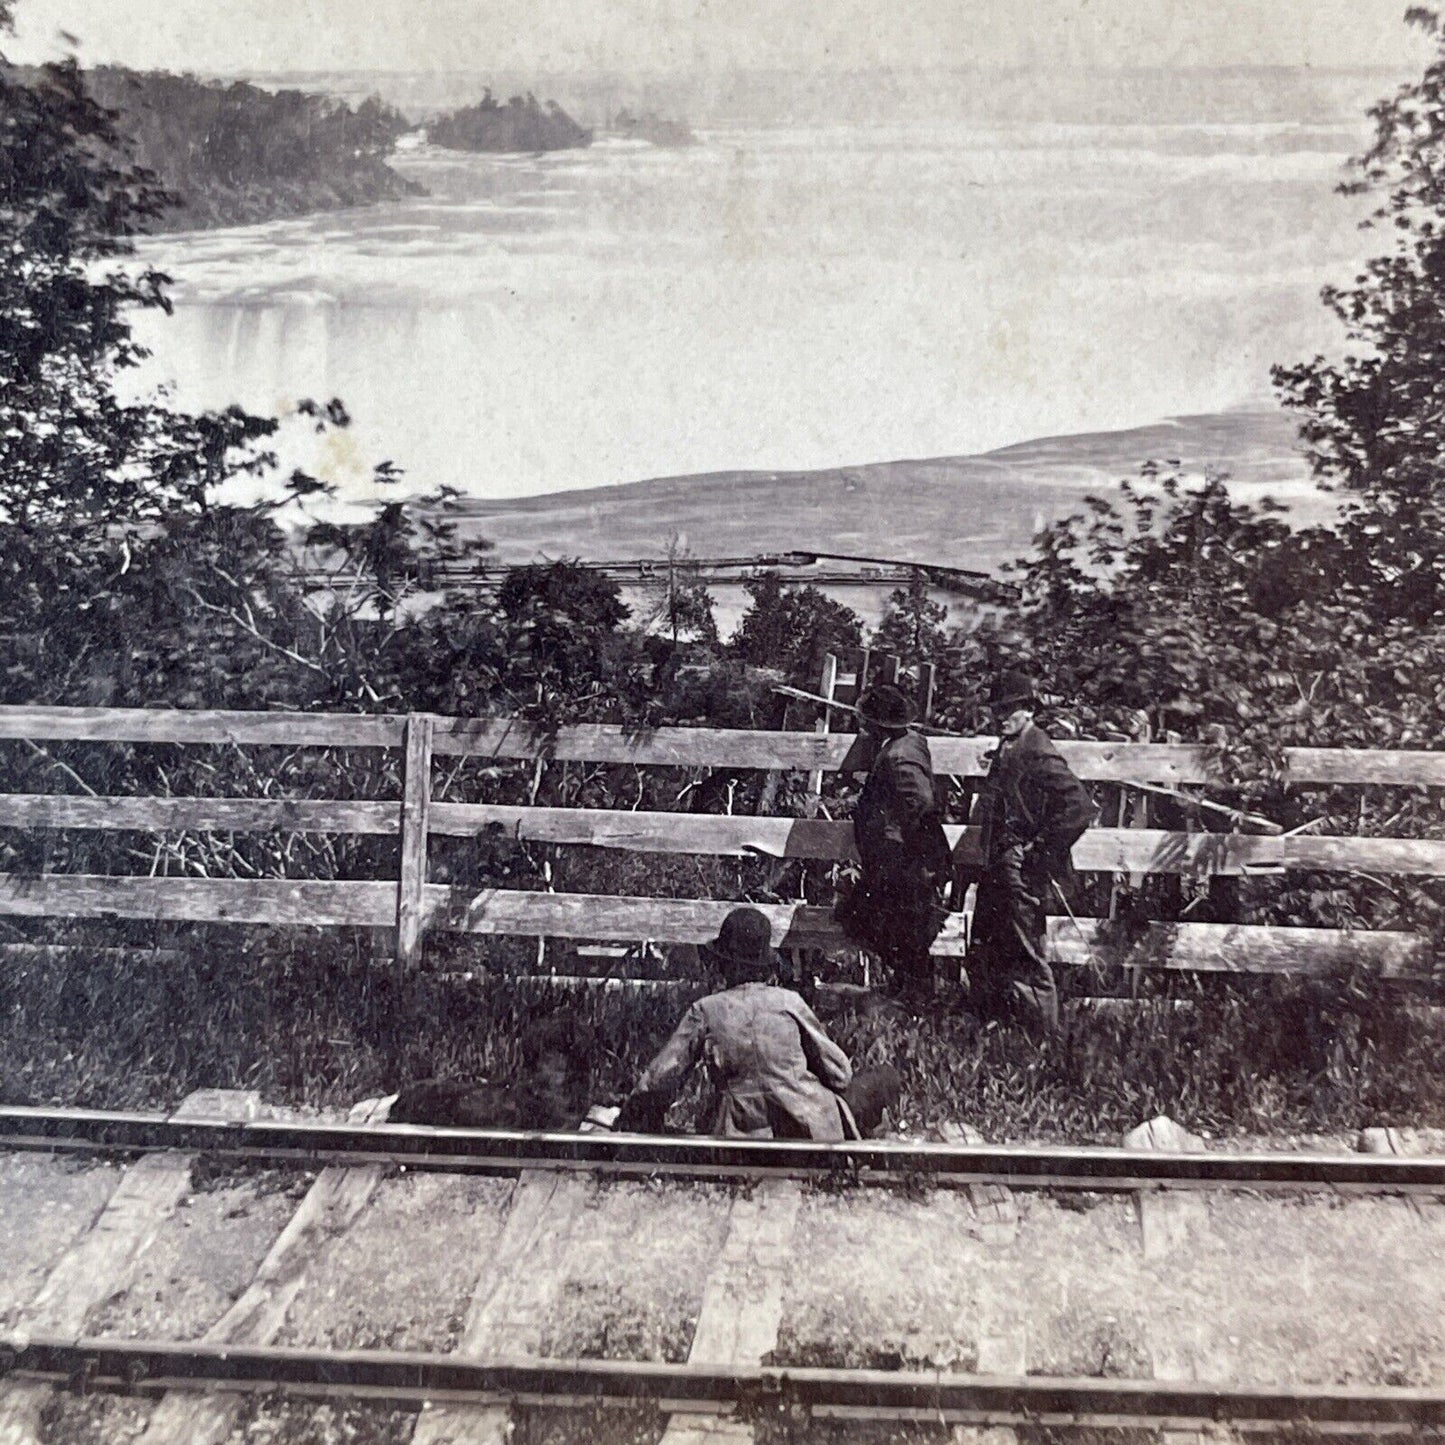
{"points": [[1032, 811], [896, 908]]}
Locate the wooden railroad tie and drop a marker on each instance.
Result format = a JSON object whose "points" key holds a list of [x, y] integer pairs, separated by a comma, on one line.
{"points": [[742, 1302], [328, 1209], [102, 1262], [521, 1278]]}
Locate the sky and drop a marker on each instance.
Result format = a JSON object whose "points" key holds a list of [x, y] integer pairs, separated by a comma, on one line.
{"points": [[578, 36]]}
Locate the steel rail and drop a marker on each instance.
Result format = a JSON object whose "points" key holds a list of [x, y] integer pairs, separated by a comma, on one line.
{"points": [[474, 1151], [150, 1367]]}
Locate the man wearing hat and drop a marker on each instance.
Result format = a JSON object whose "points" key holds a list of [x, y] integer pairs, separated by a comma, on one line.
{"points": [[896, 909], [1033, 810], [778, 1075]]}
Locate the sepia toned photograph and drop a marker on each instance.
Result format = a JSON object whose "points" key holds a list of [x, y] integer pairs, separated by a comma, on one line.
{"points": [[722, 722]]}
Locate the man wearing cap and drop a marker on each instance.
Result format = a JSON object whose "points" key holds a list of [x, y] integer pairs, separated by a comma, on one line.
{"points": [[1032, 811], [778, 1075], [896, 909]]}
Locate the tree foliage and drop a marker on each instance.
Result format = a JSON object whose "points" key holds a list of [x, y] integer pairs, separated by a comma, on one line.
{"points": [[912, 627], [234, 154], [521, 124], [679, 604], [1374, 420], [793, 628]]}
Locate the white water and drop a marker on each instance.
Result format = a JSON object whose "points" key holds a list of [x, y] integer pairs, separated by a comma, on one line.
{"points": [[780, 297]]}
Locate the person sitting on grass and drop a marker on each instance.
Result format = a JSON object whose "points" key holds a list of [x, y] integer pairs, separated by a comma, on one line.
{"points": [[550, 1089], [777, 1073]]}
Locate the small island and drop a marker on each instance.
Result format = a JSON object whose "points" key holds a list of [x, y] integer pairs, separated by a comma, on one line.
{"points": [[655, 129], [522, 124], [235, 154]]}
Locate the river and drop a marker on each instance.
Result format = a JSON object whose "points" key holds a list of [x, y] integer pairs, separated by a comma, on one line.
{"points": [[782, 296]]}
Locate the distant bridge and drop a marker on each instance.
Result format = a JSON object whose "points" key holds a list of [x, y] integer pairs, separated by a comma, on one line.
{"points": [[819, 569]]}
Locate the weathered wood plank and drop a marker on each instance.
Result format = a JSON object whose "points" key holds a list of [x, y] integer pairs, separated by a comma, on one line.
{"points": [[996, 1218], [603, 916], [742, 1302], [736, 836], [168, 725], [1103, 850], [1166, 1217], [983, 1434], [169, 815], [804, 752], [686, 747], [452, 1424], [415, 806], [330, 1207], [526, 1269], [523, 1274], [19, 954], [1214, 947], [962, 757], [1421, 857], [827, 687], [104, 1260], [707, 1430], [658, 747], [230, 1106], [279, 901], [1394, 767], [1242, 948], [1206, 946]]}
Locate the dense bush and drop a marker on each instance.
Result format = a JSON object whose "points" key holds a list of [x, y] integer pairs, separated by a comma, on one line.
{"points": [[521, 124], [234, 154]]}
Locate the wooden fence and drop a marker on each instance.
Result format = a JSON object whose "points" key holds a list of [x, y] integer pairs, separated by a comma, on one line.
{"points": [[414, 906]]}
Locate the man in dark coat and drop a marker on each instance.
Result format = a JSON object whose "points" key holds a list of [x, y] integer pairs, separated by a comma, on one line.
{"points": [[1032, 810], [896, 908]]}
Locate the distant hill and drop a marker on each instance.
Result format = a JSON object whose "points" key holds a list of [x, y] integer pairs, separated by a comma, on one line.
{"points": [[978, 511], [522, 124], [234, 154]]}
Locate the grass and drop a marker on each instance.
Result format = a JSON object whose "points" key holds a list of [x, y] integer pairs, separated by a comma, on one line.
{"points": [[309, 1019]]}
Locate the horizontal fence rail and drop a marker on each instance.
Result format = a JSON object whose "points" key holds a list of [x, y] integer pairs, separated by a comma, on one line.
{"points": [[1085, 942], [1101, 850], [1105, 762], [413, 906]]}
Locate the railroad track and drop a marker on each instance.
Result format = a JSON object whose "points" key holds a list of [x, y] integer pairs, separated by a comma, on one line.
{"points": [[472, 1151], [401, 1379], [499, 1363]]}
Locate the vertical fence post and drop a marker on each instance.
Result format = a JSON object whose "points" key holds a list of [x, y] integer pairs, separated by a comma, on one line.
{"points": [[926, 673], [827, 687], [1134, 812], [415, 808]]}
